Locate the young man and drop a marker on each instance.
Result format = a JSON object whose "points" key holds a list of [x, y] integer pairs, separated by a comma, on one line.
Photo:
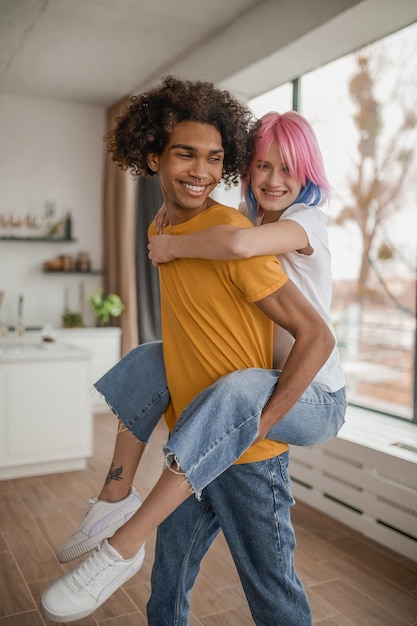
{"points": [[217, 317]]}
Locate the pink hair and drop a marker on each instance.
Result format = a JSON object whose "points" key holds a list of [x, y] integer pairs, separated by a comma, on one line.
{"points": [[298, 147]]}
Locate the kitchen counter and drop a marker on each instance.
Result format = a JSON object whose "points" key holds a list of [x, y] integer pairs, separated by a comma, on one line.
{"points": [[13, 350], [102, 343], [45, 407]]}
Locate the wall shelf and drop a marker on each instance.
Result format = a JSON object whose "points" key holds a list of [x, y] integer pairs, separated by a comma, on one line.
{"points": [[42, 239], [79, 273]]}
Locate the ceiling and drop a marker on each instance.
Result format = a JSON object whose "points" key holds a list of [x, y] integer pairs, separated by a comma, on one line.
{"points": [[98, 51]]}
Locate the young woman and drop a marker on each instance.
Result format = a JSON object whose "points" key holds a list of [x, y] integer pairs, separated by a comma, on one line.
{"points": [[284, 187]]}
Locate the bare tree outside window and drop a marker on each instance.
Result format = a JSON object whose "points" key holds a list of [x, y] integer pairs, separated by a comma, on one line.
{"points": [[374, 211], [382, 177]]}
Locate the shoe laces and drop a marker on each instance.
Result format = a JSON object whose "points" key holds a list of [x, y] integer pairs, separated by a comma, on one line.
{"points": [[90, 571]]}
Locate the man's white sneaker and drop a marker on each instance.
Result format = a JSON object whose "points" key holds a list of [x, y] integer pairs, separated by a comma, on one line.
{"points": [[101, 521], [81, 591]]}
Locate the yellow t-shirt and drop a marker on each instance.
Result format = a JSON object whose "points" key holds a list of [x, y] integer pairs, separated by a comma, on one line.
{"points": [[210, 323]]}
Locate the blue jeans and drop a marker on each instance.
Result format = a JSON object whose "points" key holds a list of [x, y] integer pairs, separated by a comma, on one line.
{"points": [[251, 504], [222, 421], [136, 389]]}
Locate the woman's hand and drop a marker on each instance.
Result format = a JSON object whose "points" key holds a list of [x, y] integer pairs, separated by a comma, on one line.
{"points": [[161, 219], [159, 249]]}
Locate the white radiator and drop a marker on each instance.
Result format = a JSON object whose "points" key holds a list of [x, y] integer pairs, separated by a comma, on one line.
{"points": [[365, 478]]}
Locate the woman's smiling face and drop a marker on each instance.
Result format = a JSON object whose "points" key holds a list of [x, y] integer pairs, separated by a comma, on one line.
{"points": [[273, 186]]}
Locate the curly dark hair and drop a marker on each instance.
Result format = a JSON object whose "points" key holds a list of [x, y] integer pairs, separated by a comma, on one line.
{"points": [[147, 122]]}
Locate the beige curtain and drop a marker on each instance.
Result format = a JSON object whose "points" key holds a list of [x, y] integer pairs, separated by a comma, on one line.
{"points": [[119, 240]]}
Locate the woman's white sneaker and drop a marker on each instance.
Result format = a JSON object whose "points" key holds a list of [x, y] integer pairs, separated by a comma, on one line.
{"points": [[81, 591], [101, 521]]}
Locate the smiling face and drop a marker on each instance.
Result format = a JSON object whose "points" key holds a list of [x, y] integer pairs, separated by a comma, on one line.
{"points": [[189, 168], [273, 186]]}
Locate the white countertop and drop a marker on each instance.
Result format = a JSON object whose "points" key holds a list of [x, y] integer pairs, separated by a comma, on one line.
{"points": [[25, 350]]}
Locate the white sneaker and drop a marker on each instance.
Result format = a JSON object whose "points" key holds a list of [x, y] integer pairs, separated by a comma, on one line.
{"points": [[81, 591], [101, 521]]}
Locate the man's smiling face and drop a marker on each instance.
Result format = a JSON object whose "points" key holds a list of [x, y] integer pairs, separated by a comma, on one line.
{"points": [[189, 168]]}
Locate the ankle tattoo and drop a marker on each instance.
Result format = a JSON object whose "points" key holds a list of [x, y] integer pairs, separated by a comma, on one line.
{"points": [[115, 473]]}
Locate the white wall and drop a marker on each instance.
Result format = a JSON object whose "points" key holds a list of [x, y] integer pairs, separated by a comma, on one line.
{"points": [[49, 151]]}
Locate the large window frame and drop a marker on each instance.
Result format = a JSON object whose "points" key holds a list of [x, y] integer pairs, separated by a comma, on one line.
{"points": [[296, 87]]}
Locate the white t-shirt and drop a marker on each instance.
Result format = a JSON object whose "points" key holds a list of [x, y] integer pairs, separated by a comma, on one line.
{"points": [[312, 275]]}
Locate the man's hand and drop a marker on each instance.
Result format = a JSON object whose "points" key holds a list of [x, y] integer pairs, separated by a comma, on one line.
{"points": [[264, 428]]}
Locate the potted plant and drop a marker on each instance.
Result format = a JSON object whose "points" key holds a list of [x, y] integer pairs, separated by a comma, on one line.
{"points": [[106, 307], [72, 319]]}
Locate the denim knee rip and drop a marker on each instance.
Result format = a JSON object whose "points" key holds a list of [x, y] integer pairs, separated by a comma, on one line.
{"points": [[170, 459]]}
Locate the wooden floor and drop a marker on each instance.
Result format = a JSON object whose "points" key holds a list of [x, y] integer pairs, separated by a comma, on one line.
{"points": [[350, 580]]}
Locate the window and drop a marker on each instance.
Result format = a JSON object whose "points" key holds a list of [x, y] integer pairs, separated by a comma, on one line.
{"points": [[279, 99], [363, 110]]}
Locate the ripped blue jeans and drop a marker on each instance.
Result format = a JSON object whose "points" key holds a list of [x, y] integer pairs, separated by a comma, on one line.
{"points": [[222, 421], [249, 502]]}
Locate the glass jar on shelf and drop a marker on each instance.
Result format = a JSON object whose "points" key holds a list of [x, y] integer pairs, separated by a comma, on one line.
{"points": [[83, 262]]}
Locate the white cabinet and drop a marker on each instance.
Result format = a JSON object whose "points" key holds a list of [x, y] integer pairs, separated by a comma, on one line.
{"points": [[45, 408], [104, 345]]}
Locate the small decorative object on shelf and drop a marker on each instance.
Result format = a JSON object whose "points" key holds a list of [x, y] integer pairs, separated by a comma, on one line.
{"points": [[68, 226], [106, 307], [83, 262], [20, 327], [62, 263], [32, 226], [55, 229], [50, 213], [38, 239], [48, 335], [3, 326], [65, 263]]}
